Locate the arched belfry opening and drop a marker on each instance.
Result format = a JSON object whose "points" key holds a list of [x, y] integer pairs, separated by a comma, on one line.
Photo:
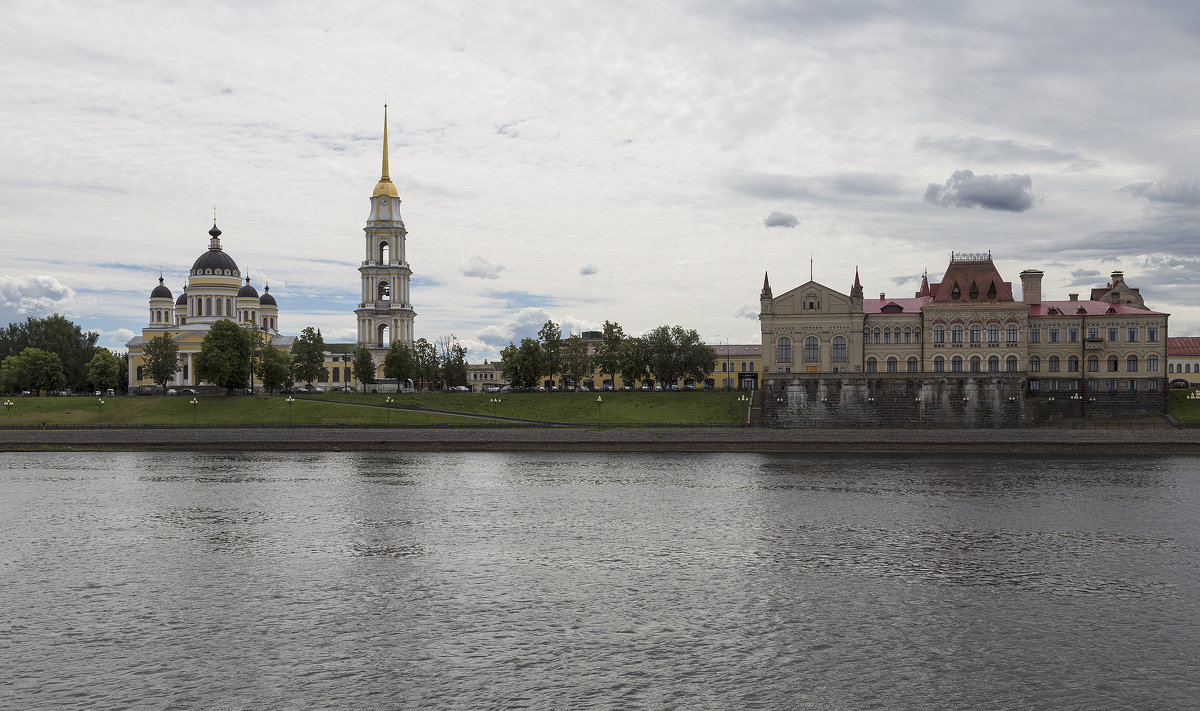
{"points": [[382, 340], [384, 291], [385, 253]]}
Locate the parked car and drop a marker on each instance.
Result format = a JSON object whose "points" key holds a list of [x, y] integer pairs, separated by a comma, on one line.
{"points": [[460, 389], [185, 391], [172, 391]]}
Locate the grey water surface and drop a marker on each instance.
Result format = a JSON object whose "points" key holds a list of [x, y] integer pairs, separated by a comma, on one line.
{"points": [[579, 581]]}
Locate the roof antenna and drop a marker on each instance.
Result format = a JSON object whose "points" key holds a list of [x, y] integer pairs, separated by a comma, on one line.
{"points": [[810, 266]]}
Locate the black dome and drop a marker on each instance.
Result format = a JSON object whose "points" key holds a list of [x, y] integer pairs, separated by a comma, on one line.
{"points": [[182, 300], [247, 290], [161, 291], [267, 299], [217, 261]]}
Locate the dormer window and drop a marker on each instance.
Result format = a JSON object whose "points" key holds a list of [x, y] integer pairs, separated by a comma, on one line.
{"points": [[974, 293], [991, 294], [956, 293]]}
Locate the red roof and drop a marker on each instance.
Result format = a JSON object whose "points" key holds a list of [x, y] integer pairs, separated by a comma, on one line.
{"points": [[1089, 308], [1183, 346], [967, 274], [910, 306]]}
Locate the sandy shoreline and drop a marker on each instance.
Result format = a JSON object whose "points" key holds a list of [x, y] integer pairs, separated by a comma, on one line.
{"points": [[1042, 442]]}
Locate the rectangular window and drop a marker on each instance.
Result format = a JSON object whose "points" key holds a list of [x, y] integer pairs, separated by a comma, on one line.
{"points": [[1034, 386], [1093, 332], [1112, 385], [1152, 385], [1152, 333], [1072, 385], [1112, 335], [1053, 336], [1073, 335], [1093, 384], [1035, 335], [1133, 385], [1054, 385], [1132, 335]]}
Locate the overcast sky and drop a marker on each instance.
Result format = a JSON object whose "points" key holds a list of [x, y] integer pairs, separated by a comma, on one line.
{"points": [[643, 163]]}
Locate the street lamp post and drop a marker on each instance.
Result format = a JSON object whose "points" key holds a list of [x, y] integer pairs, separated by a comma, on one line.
{"points": [[100, 411], [495, 407], [599, 404], [388, 403], [289, 401], [8, 410], [742, 398], [194, 403]]}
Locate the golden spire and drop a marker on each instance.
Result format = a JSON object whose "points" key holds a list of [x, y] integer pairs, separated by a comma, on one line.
{"points": [[385, 186]]}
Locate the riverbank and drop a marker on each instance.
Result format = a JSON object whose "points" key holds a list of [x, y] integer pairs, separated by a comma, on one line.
{"points": [[1059, 442]]}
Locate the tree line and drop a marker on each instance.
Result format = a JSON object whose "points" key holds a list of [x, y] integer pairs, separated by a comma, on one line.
{"points": [[52, 353], [667, 354], [438, 365]]}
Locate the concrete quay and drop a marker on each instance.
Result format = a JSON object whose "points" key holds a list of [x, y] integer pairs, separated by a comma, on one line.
{"points": [[1042, 442]]}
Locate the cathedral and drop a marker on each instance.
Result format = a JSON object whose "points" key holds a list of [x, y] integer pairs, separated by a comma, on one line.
{"points": [[216, 289]]}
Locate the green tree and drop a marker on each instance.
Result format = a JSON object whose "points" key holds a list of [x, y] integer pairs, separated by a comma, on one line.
{"points": [[39, 370], [426, 356], [676, 352], [576, 363], [308, 356], [364, 364], [160, 358], [523, 364], [10, 380], [274, 367], [104, 370], [608, 350], [400, 363], [453, 358], [260, 342], [224, 357], [54, 334], [635, 359], [550, 336]]}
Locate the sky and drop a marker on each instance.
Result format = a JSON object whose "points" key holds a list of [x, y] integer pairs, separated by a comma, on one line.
{"points": [[642, 163]]}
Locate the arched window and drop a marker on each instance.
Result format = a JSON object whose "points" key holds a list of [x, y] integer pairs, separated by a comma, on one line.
{"points": [[912, 364], [896, 334], [1010, 333], [872, 365], [381, 333], [743, 366], [993, 333], [385, 252], [1035, 364], [939, 365], [1052, 364], [994, 363], [887, 335], [783, 350], [229, 307], [219, 304], [975, 364], [976, 333], [917, 335], [384, 291], [1093, 364], [908, 335], [956, 334], [1152, 364], [939, 334], [1131, 364], [812, 351], [956, 364], [876, 335], [893, 365], [264, 322], [1010, 364], [866, 334], [208, 306], [839, 349], [1073, 364], [1112, 364], [138, 375]]}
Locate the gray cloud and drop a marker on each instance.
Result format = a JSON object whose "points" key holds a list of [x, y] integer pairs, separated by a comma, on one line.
{"points": [[480, 268], [1184, 191], [588, 270], [34, 295], [1085, 274], [749, 311], [988, 150], [781, 219], [814, 188], [1013, 193]]}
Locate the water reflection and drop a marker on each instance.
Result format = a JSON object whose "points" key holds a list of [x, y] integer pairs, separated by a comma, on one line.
{"points": [[586, 581]]}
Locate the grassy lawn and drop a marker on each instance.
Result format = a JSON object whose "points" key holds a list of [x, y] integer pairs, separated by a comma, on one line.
{"points": [[1183, 409], [634, 408]]}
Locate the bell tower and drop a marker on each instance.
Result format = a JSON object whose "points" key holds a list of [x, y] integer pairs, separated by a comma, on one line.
{"points": [[385, 314]]}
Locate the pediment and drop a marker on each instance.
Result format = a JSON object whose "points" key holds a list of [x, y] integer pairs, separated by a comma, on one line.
{"points": [[811, 298]]}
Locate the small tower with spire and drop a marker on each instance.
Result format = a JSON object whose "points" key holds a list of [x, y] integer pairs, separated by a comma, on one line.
{"points": [[764, 299], [385, 314], [856, 293]]}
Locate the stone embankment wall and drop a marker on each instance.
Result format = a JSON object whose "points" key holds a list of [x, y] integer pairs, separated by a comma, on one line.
{"points": [[969, 400]]}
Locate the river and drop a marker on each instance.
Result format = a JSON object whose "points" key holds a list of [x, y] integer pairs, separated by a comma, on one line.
{"points": [[574, 581]]}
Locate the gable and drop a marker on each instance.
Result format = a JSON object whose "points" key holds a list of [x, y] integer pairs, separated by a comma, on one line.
{"points": [[811, 299]]}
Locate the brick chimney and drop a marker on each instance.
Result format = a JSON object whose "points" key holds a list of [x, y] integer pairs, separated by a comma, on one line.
{"points": [[1031, 287]]}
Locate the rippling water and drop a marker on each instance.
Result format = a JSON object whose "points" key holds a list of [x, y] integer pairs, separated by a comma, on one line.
{"points": [[574, 581]]}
